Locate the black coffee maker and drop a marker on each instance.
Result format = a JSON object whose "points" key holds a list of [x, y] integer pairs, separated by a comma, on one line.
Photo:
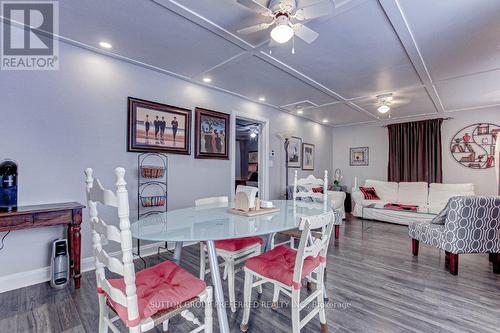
{"points": [[8, 186]]}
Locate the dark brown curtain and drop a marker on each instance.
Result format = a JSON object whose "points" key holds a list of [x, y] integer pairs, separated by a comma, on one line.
{"points": [[415, 152]]}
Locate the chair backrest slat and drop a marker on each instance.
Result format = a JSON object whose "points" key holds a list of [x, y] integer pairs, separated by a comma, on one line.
{"points": [[113, 264], [96, 193], [110, 232]]}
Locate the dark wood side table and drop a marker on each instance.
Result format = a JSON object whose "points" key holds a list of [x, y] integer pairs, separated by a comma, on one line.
{"points": [[68, 213]]}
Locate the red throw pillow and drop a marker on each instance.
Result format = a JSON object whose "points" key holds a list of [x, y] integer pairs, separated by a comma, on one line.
{"points": [[317, 189], [369, 193]]}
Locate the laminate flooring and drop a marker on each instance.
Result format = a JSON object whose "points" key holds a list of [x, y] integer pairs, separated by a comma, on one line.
{"points": [[374, 284]]}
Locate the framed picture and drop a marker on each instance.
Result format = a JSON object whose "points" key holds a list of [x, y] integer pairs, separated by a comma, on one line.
{"points": [[211, 134], [158, 127], [358, 156], [308, 152], [294, 152], [253, 157]]}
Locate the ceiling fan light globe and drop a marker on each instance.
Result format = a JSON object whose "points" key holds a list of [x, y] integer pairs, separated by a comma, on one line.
{"points": [[282, 33], [383, 109]]}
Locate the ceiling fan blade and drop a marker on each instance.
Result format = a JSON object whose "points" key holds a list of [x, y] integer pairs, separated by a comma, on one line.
{"points": [[305, 33], [254, 28], [317, 10], [256, 7]]}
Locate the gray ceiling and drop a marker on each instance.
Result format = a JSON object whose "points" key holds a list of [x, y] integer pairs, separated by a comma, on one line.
{"points": [[435, 56]]}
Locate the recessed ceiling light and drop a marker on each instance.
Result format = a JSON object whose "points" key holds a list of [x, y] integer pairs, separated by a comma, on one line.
{"points": [[262, 99], [207, 79], [300, 112], [383, 109], [105, 45], [325, 121]]}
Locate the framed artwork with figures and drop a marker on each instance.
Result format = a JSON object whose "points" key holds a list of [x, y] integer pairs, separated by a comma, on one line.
{"points": [[158, 127], [211, 134], [308, 152], [294, 152]]}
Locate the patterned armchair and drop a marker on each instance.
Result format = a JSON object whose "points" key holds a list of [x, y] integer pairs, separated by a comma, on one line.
{"points": [[469, 224]]}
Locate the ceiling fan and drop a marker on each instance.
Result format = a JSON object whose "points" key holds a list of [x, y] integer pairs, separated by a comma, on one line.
{"points": [[384, 102], [286, 18]]}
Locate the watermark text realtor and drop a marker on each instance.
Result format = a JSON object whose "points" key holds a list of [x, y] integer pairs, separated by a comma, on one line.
{"points": [[27, 35]]}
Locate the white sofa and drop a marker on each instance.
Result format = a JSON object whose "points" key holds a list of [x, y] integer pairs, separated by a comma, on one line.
{"points": [[430, 199]]}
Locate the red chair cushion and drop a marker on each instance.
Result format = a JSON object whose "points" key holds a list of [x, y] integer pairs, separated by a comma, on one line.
{"points": [[279, 263], [159, 288], [237, 243]]}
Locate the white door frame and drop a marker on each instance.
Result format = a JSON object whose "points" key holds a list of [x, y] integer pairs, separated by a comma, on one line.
{"points": [[263, 152]]}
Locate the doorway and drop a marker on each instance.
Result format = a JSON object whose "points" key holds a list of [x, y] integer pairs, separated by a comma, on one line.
{"points": [[249, 146], [246, 170]]}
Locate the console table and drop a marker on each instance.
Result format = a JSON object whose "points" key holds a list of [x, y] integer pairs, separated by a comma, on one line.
{"points": [[68, 213]]}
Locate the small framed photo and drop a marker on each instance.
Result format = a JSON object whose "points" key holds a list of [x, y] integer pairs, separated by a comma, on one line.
{"points": [[158, 127], [358, 156], [253, 157], [308, 152], [211, 134], [294, 152]]}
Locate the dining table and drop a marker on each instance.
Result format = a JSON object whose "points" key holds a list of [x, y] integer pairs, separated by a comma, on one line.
{"points": [[216, 222]]}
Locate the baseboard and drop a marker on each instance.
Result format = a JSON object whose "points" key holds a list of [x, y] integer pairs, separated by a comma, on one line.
{"points": [[40, 275]]}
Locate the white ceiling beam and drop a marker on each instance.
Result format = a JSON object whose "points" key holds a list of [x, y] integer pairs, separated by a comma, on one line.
{"points": [[397, 18]]}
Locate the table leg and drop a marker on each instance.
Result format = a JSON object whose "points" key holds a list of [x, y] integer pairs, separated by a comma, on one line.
{"points": [[75, 247], [178, 253], [217, 284], [269, 242]]}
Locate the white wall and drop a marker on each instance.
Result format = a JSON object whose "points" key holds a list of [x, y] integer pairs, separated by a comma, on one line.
{"points": [[375, 137], [56, 123]]}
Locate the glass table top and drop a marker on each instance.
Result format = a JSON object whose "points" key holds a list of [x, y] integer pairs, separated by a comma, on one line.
{"points": [[217, 223]]}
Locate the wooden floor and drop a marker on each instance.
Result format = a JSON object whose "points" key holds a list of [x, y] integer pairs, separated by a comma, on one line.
{"points": [[374, 282]]}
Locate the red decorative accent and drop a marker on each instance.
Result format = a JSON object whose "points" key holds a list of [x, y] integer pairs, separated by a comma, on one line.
{"points": [[401, 207], [317, 189], [158, 288], [337, 231], [279, 263], [454, 263], [99, 290], [414, 247], [237, 243], [322, 259], [296, 285], [369, 193]]}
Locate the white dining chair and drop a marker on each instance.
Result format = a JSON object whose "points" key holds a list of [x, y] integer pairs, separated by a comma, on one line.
{"points": [[232, 251], [305, 188], [149, 297], [285, 268]]}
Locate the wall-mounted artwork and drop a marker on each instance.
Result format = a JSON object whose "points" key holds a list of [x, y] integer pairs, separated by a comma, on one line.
{"points": [[358, 156], [211, 134], [158, 127], [294, 152], [474, 146], [253, 157], [308, 152]]}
